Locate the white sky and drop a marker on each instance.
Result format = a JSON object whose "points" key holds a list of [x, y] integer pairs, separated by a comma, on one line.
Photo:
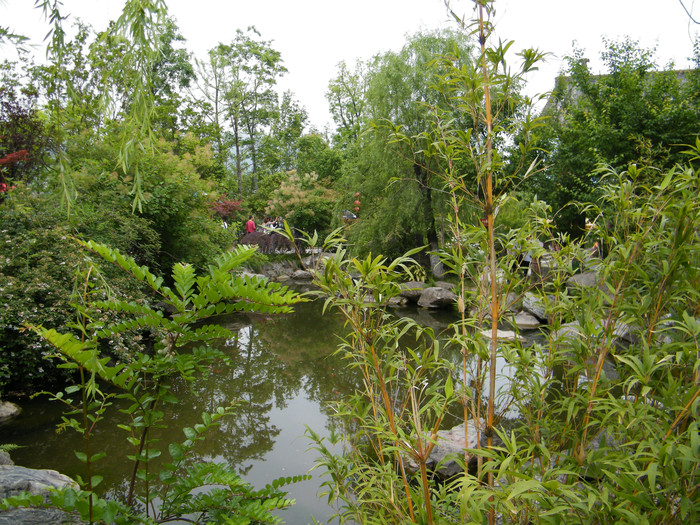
{"points": [[315, 35]]}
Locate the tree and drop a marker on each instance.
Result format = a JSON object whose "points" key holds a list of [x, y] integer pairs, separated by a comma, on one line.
{"points": [[316, 156], [304, 202], [396, 217], [280, 147], [240, 87], [172, 74], [22, 129], [207, 113], [633, 114], [346, 97]]}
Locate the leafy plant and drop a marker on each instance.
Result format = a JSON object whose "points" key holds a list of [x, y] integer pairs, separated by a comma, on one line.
{"points": [[140, 379], [606, 402]]}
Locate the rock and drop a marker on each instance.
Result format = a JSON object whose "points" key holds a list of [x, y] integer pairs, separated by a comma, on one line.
{"points": [[412, 290], [512, 302], [568, 334], [15, 480], [504, 335], [302, 275], [435, 297], [445, 285], [397, 301], [8, 410], [583, 280], [5, 458], [258, 276], [535, 306], [567, 331], [449, 446], [525, 321], [485, 278], [392, 301]]}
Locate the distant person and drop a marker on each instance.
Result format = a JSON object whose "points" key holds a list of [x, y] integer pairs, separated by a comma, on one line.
{"points": [[250, 225]]}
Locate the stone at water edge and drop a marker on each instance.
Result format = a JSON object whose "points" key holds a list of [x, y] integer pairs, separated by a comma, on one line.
{"points": [[412, 290], [445, 285], [585, 280], [436, 297], [525, 321], [15, 480], [504, 335], [302, 275], [449, 446], [535, 306], [8, 410]]}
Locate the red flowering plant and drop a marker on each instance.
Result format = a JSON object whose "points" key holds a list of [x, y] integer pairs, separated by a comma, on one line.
{"points": [[10, 158], [226, 209]]}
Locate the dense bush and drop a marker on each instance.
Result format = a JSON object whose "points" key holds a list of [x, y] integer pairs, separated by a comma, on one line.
{"points": [[304, 202], [38, 270]]}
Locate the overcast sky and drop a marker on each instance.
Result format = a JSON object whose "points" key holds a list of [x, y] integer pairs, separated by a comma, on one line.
{"points": [[315, 35]]}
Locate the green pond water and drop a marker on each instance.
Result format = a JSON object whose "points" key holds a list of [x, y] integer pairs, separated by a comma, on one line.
{"points": [[283, 372]]}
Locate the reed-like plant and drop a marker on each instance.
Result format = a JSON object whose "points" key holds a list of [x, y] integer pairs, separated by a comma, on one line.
{"points": [[606, 403]]}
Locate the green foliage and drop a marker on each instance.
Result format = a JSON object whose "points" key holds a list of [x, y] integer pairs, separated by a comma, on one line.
{"points": [[607, 408], [634, 113], [38, 271], [402, 404], [140, 378], [315, 156], [597, 421], [303, 201], [402, 204]]}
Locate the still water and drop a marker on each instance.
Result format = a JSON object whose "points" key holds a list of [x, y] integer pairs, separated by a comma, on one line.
{"points": [[283, 373]]}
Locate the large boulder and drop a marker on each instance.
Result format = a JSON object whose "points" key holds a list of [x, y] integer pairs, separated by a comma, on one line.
{"points": [[436, 297], [512, 302], [571, 334], [583, 280], [445, 285], [524, 321], [507, 336], [14, 480], [412, 290], [302, 275], [5, 458]]}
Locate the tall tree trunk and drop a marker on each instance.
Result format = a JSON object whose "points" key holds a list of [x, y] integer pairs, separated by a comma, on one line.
{"points": [[436, 266], [239, 169]]}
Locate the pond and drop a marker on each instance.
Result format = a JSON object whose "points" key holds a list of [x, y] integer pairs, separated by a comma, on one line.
{"points": [[283, 371]]}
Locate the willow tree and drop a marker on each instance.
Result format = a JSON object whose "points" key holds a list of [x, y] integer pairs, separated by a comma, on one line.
{"points": [[139, 27], [398, 202]]}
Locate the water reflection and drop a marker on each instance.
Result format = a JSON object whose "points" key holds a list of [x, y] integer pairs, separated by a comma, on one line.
{"points": [[283, 372]]}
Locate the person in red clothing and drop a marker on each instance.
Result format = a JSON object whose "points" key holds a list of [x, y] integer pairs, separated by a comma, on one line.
{"points": [[250, 225]]}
